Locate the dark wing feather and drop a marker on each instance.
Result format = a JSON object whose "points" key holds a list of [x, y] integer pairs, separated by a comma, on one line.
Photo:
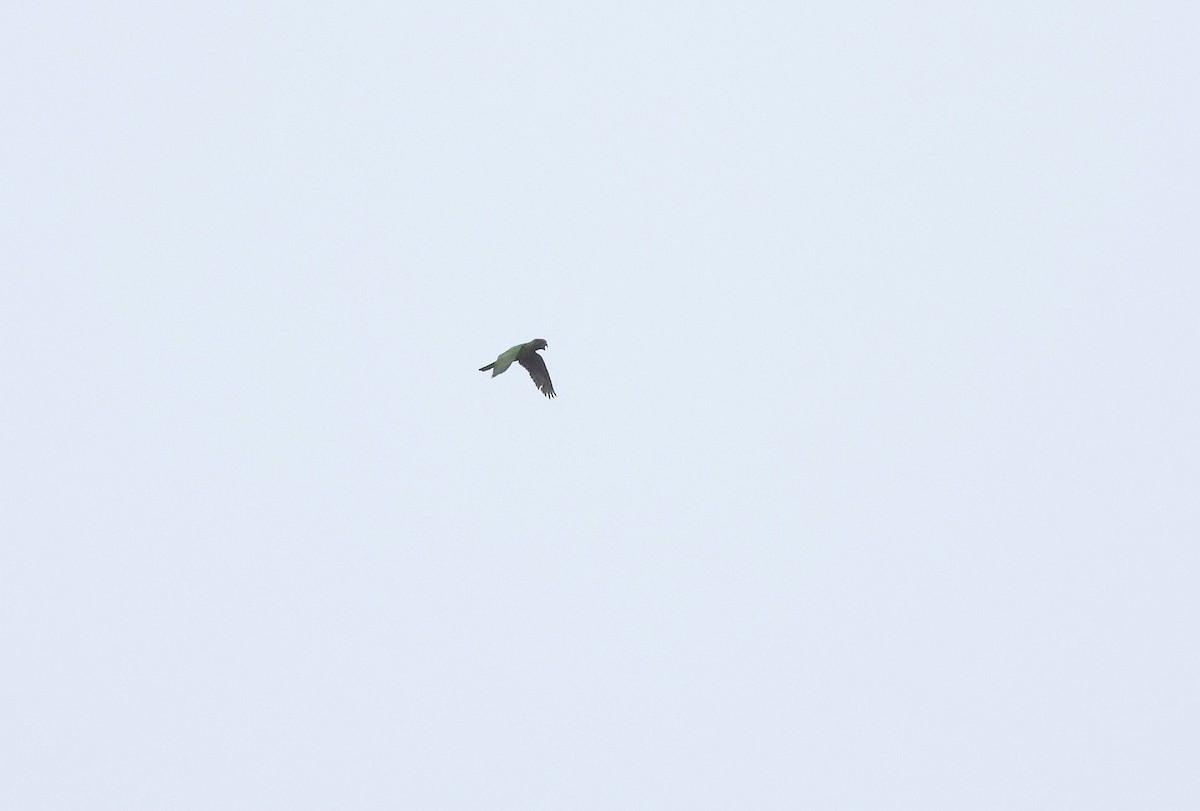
{"points": [[536, 367]]}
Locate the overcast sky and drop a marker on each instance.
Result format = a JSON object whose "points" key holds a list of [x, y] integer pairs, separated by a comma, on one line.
{"points": [[871, 482]]}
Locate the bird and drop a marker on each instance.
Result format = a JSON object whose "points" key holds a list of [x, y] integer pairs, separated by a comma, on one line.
{"points": [[526, 355]]}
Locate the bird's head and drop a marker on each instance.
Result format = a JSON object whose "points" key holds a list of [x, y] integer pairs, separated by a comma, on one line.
{"points": [[538, 343]]}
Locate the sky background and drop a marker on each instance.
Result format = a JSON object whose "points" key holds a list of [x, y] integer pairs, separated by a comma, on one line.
{"points": [[871, 482]]}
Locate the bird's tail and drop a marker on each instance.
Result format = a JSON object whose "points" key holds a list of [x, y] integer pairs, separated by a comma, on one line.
{"points": [[485, 368]]}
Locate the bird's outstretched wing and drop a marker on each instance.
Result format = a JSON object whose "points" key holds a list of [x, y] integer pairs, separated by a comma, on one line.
{"points": [[536, 367]]}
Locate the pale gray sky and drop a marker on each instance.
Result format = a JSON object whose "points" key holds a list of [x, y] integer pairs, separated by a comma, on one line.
{"points": [[872, 479]]}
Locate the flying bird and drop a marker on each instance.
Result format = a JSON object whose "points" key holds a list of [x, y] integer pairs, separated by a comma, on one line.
{"points": [[526, 355]]}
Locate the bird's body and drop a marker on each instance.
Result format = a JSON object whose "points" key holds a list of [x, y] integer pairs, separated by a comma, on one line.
{"points": [[526, 355]]}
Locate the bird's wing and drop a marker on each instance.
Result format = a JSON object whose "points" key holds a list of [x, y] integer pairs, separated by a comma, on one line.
{"points": [[536, 367]]}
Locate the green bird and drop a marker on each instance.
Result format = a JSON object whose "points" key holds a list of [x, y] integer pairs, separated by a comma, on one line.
{"points": [[526, 355]]}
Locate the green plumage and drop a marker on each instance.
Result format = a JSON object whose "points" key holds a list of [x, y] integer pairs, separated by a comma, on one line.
{"points": [[526, 355], [505, 360]]}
